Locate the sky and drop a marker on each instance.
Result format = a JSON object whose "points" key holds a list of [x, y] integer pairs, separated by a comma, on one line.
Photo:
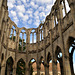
{"points": [[30, 13]]}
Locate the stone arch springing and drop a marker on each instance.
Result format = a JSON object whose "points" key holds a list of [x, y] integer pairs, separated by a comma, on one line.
{"points": [[58, 54], [22, 40], [33, 66], [71, 51], [21, 69], [9, 66]]}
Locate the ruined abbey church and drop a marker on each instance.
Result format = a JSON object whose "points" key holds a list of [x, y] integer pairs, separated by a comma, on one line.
{"points": [[54, 38]]}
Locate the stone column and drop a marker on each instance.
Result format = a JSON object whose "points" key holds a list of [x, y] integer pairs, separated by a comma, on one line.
{"points": [[27, 49], [1, 1], [46, 65], [52, 22], [38, 39], [54, 67], [2, 12], [38, 69], [67, 65], [27, 69], [3, 70], [14, 70]]}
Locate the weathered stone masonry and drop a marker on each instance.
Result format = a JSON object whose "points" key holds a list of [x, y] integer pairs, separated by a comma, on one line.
{"points": [[53, 36]]}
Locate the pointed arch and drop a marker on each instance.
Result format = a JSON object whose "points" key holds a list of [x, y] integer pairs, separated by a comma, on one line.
{"points": [[49, 57], [21, 69], [9, 66]]}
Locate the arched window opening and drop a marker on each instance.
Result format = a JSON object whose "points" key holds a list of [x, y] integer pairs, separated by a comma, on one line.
{"points": [[22, 41], [59, 60], [9, 66], [41, 27], [31, 37], [56, 20], [34, 37], [32, 67], [13, 33], [67, 6], [40, 35], [72, 55], [21, 69], [63, 10]]}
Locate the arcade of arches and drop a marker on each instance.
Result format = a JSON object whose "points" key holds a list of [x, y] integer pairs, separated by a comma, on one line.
{"points": [[52, 42]]}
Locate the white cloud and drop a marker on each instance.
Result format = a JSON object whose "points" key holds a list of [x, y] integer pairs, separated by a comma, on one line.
{"points": [[37, 22], [11, 1], [20, 8], [29, 12], [43, 1], [10, 5], [24, 1], [20, 14], [41, 8], [33, 5], [42, 14], [25, 18], [30, 21], [13, 13], [19, 2], [36, 13], [16, 20]]}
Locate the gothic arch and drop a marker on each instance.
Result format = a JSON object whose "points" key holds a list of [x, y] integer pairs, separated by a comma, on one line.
{"points": [[21, 67], [34, 60], [49, 57], [21, 58], [59, 57], [9, 66], [70, 52]]}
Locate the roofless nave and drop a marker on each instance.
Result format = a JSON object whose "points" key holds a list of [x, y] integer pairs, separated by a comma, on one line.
{"points": [[53, 39]]}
